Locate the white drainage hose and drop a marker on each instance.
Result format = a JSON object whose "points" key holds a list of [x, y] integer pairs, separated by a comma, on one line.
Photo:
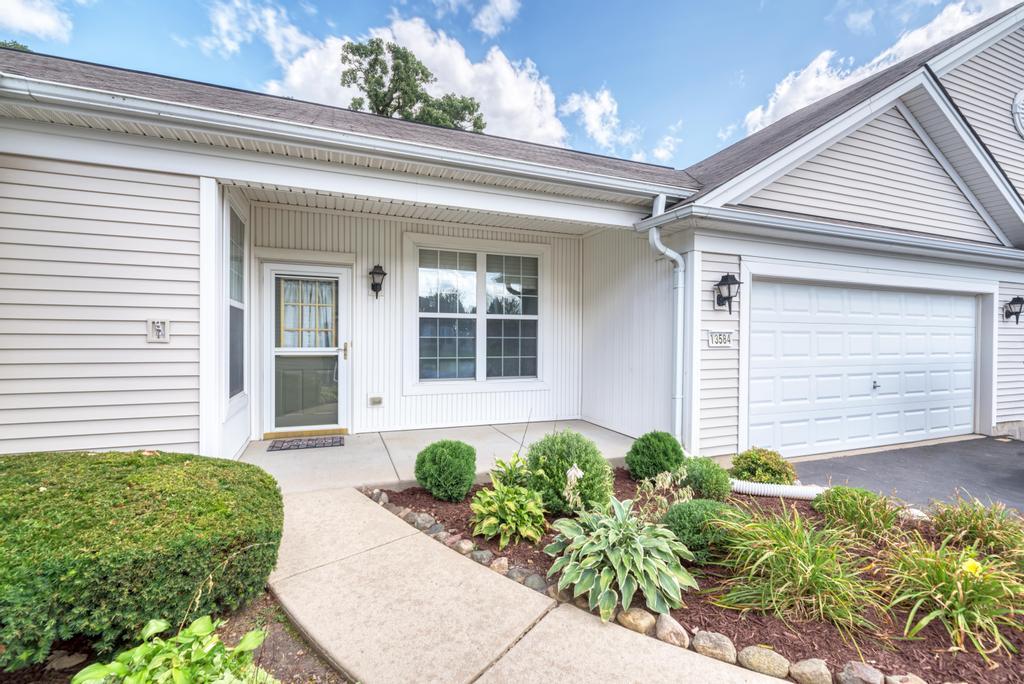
{"points": [[806, 492]]}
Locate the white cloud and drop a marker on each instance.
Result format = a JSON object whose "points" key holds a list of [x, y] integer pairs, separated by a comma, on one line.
{"points": [[238, 22], [665, 149], [599, 116], [494, 16], [861, 22], [725, 133], [828, 72], [180, 41], [42, 18]]}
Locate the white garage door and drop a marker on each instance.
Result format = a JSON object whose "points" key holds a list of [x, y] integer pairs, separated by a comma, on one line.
{"points": [[835, 368]]}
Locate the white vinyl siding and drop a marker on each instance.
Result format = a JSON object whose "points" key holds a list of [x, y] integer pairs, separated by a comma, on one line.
{"points": [[88, 254], [627, 334], [1010, 363], [880, 175], [378, 334], [719, 366], [983, 88]]}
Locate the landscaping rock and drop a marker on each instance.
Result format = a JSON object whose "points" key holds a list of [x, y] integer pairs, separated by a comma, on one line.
{"points": [[668, 629], [714, 645], [810, 671], [442, 537], [383, 498], [519, 574], [482, 556], [62, 660], [500, 565], [536, 582], [764, 660], [411, 517], [434, 530], [424, 521], [582, 602], [637, 619], [404, 512], [464, 546], [453, 539], [911, 514], [392, 508], [560, 595], [856, 672], [904, 679]]}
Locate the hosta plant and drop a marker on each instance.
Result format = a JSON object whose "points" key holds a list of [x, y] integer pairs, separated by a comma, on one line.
{"points": [[609, 557], [511, 473], [510, 513]]}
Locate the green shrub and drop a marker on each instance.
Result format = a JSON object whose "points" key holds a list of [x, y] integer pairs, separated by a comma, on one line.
{"points": [[509, 513], [195, 654], [976, 601], [653, 453], [871, 515], [95, 544], [693, 524], [762, 465], [782, 565], [610, 556], [549, 461], [993, 529], [707, 479], [447, 469], [511, 473]]}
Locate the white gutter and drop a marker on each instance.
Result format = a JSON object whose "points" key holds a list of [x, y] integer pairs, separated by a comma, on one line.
{"points": [[159, 112], [678, 315]]}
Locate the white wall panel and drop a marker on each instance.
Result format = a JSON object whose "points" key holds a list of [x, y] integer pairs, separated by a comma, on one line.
{"points": [[378, 334], [719, 366], [1010, 375]]}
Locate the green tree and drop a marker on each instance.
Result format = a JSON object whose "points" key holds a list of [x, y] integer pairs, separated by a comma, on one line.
{"points": [[14, 45], [393, 82]]}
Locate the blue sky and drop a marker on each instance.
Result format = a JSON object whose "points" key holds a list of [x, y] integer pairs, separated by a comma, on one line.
{"points": [[660, 81]]}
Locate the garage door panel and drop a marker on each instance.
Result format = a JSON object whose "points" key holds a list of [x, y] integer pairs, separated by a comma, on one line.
{"points": [[835, 368]]}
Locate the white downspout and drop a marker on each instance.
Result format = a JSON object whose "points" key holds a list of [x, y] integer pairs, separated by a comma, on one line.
{"points": [[678, 316]]}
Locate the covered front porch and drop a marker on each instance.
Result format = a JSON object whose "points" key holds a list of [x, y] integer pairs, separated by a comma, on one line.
{"points": [[389, 458]]}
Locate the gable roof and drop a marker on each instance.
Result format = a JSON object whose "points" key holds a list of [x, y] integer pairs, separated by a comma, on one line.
{"points": [[747, 153], [236, 101]]}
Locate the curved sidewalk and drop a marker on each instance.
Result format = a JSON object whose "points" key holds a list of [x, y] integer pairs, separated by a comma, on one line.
{"points": [[385, 603]]}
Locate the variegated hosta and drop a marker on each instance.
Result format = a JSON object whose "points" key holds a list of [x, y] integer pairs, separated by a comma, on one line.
{"points": [[611, 556], [508, 512]]}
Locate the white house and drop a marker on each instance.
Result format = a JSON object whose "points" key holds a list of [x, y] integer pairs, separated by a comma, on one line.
{"points": [[186, 266]]}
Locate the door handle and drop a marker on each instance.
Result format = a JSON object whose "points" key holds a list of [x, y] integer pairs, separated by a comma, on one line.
{"points": [[344, 351], [875, 385]]}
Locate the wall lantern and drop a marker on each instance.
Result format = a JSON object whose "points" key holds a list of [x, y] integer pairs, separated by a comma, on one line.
{"points": [[726, 290], [1013, 309], [377, 276]]}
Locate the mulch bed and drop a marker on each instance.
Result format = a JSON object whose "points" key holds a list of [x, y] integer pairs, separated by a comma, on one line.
{"points": [[927, 656]]}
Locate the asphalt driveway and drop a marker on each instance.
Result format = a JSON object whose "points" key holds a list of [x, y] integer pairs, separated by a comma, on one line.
{"points": [[987, 468]]}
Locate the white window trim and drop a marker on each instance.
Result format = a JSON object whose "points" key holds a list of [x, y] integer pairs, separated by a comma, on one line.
{"points": [[240, 401], [412, 385]]}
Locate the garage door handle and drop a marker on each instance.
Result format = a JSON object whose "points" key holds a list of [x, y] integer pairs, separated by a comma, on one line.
{"points": [[875, 385]]}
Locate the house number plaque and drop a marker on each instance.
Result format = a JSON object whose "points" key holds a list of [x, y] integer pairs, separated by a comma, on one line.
{"points": [[720, 338]]}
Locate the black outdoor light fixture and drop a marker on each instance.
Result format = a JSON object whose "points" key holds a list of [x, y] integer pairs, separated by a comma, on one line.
{"points": [[377, 276], [1013, 309], [726, 290]]}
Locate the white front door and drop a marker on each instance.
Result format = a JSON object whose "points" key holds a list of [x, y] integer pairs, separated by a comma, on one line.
{"points": [[835, 368], [307, 332]]}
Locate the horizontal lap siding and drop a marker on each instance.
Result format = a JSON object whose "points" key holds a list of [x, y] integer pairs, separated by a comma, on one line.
{"points": [[719, 367], [881, 175], [1010, 378], [377, 350], [87, 254]]}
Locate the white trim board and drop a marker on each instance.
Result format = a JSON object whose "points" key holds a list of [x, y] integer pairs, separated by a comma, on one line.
{"points": [[209, 341], [945, 62]]}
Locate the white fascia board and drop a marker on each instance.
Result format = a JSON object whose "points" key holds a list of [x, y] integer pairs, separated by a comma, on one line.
{"points": [[742, 186], [75, 98], [112, 149], [945, 62]]}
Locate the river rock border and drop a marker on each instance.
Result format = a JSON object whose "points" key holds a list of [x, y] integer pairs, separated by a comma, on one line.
{"points": [[758, 658]]}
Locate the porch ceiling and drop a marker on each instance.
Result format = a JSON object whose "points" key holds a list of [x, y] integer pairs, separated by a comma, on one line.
{"points": [[300, 197]]}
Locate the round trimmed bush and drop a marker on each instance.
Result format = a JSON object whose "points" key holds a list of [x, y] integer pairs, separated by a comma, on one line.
{"points": [[446, 469], [551, 457], [653, 453], [97, 544], [692, 522], [763, 465], [707, 479]]}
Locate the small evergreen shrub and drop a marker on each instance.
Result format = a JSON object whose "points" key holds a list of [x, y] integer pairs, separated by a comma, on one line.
{"points": [[653, 453], [95, 544], [509, 512], [447, 469], [693, 523], [871, 515], [549, 460], [707, 479], [763, 465]]}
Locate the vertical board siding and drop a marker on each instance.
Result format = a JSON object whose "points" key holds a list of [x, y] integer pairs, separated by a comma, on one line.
{"points": [[377, 324], [1010, 362], [720, 366], [87, 254], [983, 88], [880, 175], [627, 334]]}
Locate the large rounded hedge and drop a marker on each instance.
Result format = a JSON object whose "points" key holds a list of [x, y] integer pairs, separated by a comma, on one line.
{"points": [[654, 453], [551, 457], [97, 544]]}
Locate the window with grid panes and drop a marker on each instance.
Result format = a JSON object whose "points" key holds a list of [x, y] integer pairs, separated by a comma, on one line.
{"points": [[512, 292], [447, 315]]}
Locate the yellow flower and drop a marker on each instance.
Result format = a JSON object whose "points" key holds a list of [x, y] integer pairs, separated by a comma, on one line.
{"points": [[971, 567]]}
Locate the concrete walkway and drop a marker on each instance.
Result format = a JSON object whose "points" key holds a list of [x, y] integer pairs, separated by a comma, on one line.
{"points": [[385, 603]]}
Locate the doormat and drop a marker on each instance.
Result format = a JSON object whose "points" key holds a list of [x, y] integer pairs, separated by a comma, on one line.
{"points": [[307, 443]]}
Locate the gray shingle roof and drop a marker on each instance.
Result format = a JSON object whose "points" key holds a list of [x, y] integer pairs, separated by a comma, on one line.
{"points": [[181, 91]]}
